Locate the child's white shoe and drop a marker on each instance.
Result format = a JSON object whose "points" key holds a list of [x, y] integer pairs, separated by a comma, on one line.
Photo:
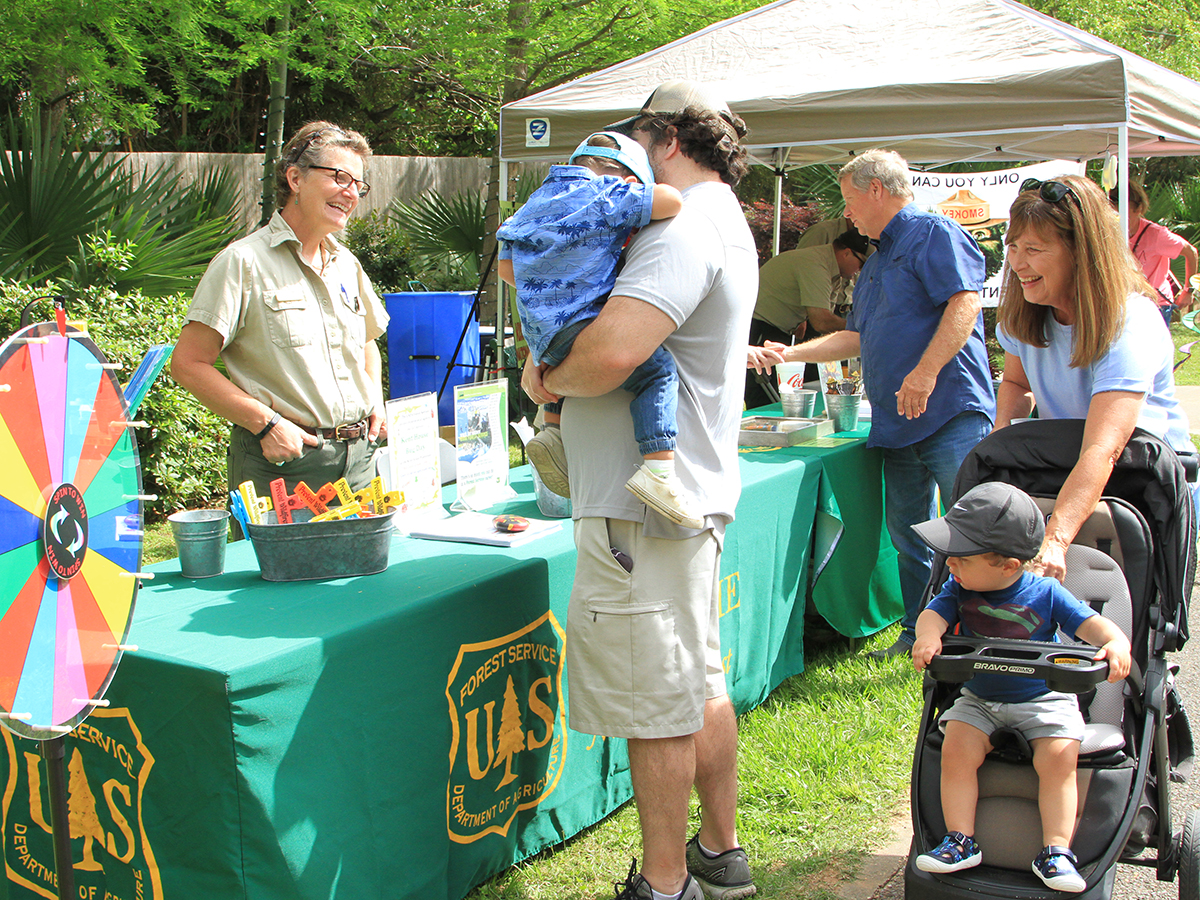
{"points": [[548, 455], [666, 497]]}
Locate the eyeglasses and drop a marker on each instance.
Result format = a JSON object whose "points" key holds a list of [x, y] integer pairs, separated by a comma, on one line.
{"points": [[1051, 191], [345, 179]]}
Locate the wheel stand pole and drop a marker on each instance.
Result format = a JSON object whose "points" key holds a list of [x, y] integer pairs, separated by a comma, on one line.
{"points": [[54, 753]]}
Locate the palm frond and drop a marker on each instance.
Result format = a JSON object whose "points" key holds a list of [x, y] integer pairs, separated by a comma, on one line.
{"points": [[445, 231], [51, 195]]}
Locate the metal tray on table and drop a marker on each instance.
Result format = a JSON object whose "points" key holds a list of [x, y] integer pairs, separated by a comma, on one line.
{"points": [[781, 431]]}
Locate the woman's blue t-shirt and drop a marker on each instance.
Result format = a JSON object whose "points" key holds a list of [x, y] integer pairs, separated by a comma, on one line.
{"points": [[1140, 360]]}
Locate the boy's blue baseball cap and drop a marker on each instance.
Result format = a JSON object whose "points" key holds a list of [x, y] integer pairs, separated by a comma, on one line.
{"points": [[628, 153], [993, 517]]}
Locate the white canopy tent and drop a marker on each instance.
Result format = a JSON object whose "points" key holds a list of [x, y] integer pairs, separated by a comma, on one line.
{"points": [[940, 81]]}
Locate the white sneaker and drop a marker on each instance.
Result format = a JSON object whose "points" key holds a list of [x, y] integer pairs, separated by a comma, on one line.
{"points": [[548, 455], [665, 496]]}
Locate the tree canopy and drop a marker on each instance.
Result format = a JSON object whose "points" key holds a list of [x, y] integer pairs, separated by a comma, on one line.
{"points": [[417, 77]]}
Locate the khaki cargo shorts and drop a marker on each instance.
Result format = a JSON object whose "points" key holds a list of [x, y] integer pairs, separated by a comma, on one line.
{"points": [[643, 647]]}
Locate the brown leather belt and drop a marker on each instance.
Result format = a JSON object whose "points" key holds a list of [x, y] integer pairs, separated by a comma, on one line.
{"points": [[347, 433]]}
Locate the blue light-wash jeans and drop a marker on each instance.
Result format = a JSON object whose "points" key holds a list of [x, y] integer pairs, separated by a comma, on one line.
{"points": [[910, 475], [654, 385]]}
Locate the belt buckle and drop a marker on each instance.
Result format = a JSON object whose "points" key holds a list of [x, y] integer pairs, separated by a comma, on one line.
{"points": [[349, 433]]}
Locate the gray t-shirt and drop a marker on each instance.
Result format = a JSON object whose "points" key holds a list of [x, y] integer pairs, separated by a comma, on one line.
{"points": [[701, 269]]}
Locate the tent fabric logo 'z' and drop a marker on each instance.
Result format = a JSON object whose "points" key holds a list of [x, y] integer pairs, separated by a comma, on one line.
{"points": [[107, 769], [508, 728]]}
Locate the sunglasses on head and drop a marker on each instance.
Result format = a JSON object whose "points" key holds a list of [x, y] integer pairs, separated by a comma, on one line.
{"points": [[1051, 191], [320, 132], [307, 143]]}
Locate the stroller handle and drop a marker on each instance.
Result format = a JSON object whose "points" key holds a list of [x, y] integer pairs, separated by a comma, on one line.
{"points": [[1070, 668]]}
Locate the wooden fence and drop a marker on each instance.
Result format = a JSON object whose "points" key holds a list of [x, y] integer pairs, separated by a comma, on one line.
{"points": [[403, 178]]}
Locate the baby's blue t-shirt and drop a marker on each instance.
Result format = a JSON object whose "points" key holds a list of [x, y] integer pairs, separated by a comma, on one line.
{"points": [[564, 244], [1033, 608]]}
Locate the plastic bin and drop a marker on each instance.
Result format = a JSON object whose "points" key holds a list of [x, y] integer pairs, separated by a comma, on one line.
{"points": [[423, 331]]}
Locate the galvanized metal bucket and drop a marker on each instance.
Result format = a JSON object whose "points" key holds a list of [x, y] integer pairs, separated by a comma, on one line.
{"points": [[200, 538], [843, 410], [308, 551]]}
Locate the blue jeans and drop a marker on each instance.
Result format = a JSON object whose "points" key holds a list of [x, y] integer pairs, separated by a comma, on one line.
{"points": [[910, 475], [654, 385]]}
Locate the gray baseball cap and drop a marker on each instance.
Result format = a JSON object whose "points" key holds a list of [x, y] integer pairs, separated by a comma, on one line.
{"points": [[672, 97], [993, 517]]}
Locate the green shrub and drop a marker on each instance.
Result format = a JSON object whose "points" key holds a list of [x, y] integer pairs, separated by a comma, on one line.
{"points": [[446, 235], [183, 450], [793, 221], [382, 249]]}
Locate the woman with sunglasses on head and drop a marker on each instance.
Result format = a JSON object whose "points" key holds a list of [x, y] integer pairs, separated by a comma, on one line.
{"points": [[1083, 340], [294, 318]]}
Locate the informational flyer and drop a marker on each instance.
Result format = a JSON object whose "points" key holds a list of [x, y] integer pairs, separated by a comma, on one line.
{"points": [[481, 429], [413, 446]]}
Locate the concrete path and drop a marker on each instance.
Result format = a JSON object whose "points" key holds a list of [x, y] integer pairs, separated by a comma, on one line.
{"points": [[1189, 399]]}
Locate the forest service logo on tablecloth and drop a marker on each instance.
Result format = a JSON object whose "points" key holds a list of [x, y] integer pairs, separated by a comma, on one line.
{"points": [[509, 735], [107, 768]]}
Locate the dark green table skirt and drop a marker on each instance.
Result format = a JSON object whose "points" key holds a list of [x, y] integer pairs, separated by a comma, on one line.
{"points": [[403, 734]]}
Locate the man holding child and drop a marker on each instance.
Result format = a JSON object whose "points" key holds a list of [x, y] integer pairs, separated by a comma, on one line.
{"points": [[645, 660]]}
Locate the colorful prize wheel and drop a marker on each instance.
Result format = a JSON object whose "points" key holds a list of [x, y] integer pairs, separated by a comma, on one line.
{"points": [[70, 529]]}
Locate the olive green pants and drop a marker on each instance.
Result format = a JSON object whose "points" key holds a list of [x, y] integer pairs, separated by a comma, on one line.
{"points": [[325, 463]]}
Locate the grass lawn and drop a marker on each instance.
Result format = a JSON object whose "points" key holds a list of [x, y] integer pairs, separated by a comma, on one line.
{"points": [[823, 763], [1188, 372]]}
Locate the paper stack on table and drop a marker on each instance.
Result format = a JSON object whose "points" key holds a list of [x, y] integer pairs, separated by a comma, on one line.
{"points": [[479, 528]]}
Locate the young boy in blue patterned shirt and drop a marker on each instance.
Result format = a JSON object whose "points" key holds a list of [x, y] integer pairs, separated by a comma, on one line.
{"points": [[560, 251]]}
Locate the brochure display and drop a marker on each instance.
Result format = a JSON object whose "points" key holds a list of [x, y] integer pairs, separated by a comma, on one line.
{"points": [[481, 432], [480, 528], [413, 451]]}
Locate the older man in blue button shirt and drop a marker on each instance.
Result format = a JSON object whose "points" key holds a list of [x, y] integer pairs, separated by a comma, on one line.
{"points": [[916, 324]]}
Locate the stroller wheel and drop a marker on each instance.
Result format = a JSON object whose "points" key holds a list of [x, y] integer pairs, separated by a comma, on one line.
{"points": [[1189, 858]]}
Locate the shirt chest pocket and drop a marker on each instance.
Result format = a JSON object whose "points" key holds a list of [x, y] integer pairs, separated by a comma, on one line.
{"points": [[291, 317], [899, 287]]}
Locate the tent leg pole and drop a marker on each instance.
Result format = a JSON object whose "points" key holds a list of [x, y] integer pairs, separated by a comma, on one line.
{"points": [[1123, 176], [778, 208]]}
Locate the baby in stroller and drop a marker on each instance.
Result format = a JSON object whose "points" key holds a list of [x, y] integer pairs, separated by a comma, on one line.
{"points": [[989, 536]]}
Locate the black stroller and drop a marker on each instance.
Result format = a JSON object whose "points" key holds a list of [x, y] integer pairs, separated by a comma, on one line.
{"points": [[1133, 561]]}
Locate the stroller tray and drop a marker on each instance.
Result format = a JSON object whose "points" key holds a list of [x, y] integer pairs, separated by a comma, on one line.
{"points": [[1070, 668]]}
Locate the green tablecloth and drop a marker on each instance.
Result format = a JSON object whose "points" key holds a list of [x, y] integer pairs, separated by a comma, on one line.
{"points": [[855, 583], [392, 736]]}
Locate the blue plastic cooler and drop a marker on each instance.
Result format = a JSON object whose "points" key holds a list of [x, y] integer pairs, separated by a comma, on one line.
{"points": [[422, 333]]}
